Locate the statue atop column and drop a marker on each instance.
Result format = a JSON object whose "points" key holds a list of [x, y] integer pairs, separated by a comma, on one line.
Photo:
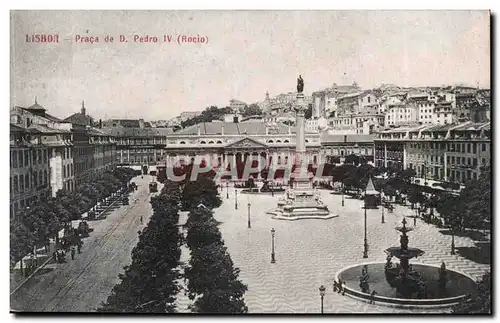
{"points": [[300, 84]]}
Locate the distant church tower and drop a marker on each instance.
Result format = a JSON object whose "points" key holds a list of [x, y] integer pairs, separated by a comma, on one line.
{"points": [[267, 96]]}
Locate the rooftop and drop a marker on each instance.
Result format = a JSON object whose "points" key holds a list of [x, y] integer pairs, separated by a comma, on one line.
{"points": [[352, 95], [403, 129], [79, 118], [46, 129], [136, 132], [474, 126], [332, 138], [231, 128]]}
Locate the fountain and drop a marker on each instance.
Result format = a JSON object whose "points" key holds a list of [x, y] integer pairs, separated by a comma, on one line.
{"points": [[404, 284], [406, 280]]}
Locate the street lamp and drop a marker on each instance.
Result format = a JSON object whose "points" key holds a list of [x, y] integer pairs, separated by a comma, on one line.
{"points": [[365, 251], [235, 199], [249, 226], [382, 204], [322, 294], [227, 186], [273, 259], [452, 242], [417, 211]]}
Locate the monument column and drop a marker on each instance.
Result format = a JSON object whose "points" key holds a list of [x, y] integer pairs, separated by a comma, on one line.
{"points": [[300, 108]]}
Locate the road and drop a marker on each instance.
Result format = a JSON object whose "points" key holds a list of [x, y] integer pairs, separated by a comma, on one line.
{"points": [[80, 285]]}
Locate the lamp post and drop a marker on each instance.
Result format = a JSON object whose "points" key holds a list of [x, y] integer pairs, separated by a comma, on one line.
{"points": [[417, 211], [365, 251], [342, 193], [322, 294], [425, 173], [273, 259], [235, 199], [249, 225], [452, 241], [382, 204], [227, 187]]}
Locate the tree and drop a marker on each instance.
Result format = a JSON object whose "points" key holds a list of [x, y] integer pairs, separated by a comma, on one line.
{"points": [[211, 274], [479, 301], [22, 241], [477, 198], [202, 191], [415, 196], [149, 284], [252, 110], [352, 159]]}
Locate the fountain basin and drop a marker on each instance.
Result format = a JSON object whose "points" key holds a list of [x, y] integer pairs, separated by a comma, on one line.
{"points": [[258, 191], [458, 285]]}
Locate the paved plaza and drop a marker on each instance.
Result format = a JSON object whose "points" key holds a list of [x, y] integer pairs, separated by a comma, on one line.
{"points": [[310, 252], [80, 285]]}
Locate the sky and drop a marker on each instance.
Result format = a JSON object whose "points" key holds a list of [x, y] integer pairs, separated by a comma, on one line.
{"points": [[246, 54]]}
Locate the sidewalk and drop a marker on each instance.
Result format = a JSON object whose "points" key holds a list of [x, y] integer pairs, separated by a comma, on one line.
{"points": [[19, 276]]}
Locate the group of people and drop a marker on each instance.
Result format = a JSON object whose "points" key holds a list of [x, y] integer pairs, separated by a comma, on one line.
{"points": [[60, 254], [337, 286]]}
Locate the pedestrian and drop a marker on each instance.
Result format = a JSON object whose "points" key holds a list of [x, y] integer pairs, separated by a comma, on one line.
{"points": [[141, 219], [339, 286], [372, 297], [415, 220], [334, 285], [73, 252], [79, 246]]}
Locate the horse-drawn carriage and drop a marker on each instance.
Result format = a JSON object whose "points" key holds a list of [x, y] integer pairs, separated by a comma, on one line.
{"points": [[83, 229]]}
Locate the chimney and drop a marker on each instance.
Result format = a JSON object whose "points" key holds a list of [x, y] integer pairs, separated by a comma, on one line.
{"points": [[345, 138], [83, 108], [100, 123], [141, 123]]}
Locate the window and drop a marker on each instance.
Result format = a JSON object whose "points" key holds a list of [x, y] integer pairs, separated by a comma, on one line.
{"points": [[27, 181], [447, 159], [35, 180], [474, 148], [26, 158], [463, 160], [13, 159], [45, 159], [483, 148], [20, 157], [39, 156], [45, 177], [21, 182], [468, 147], [16, 184], [474, 162], [468, 161]]}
